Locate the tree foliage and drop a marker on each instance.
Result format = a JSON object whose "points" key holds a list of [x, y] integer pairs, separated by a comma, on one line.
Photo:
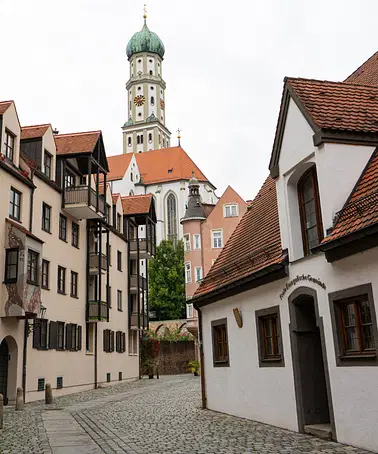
{"points": [[167, 281]]}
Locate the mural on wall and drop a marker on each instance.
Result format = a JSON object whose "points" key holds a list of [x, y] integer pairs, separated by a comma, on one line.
{"points": [[22, 297]]}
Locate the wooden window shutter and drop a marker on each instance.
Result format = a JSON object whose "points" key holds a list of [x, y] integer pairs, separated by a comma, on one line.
{"points": [[68, 336], [117, 341], [111, 349], [123, 342], [106, 340], [36, 334], [79, 337], [53, 335]]}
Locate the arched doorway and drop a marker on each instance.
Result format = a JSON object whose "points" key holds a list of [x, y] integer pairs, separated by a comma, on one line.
{"points": [[4, 359], [311, 376]]}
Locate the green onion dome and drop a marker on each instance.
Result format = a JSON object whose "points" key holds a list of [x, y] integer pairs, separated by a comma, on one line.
{"points": [[145, 41]]}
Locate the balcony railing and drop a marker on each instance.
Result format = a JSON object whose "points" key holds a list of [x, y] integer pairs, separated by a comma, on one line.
{"points": [[94, 258], [134, 320], [137, 282], [145, 246], [97, 311], [77, 196]]}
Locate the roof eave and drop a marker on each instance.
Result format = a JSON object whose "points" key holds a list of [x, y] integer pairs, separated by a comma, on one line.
{"points": [[263, 276]]}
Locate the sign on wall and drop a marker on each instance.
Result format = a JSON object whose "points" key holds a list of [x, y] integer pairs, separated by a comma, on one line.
{"points": [[300, 278]]}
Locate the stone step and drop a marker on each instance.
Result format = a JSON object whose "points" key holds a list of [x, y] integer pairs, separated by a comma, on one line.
{"points": [[323, 431]]}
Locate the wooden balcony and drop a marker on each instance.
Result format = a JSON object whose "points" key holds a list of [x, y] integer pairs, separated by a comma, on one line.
{"points": [[137, 282], [83, 202], [96, 262], [134, 321], [97, 311], [146, 248]]}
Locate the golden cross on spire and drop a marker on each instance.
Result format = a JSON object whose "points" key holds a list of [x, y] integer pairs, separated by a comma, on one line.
{"points": [[145, 11]]}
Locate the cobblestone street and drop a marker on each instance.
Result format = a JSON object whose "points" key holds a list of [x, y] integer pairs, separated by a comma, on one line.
{"points": [[146, 417]]}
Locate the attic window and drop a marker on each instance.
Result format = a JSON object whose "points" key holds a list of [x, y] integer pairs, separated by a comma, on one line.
{"points": [[170, 170]]}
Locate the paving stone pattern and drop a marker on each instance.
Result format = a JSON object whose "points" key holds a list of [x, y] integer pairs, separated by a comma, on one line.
{"points": [[147, 417]]}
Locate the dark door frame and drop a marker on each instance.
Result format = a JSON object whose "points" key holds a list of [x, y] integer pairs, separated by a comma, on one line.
{"points": [[301, 291], [6, 370]]}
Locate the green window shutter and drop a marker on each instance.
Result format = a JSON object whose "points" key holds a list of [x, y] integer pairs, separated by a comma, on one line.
{"points": [[36, 334], [68, 336], [79, 337], [53, 335]]}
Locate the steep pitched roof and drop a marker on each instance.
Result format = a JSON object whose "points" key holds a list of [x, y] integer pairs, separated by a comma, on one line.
{"points": [[361, 209], [167, 164], [79, 142], [136, 204], [367, 73], [254, 245], [4, 105], [33, 132], [338, 105], [118, 166]]}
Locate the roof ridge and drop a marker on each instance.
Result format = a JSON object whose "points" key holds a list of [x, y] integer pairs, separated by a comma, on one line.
{"points": [[79, 133], [333, 82], [5, 102]]}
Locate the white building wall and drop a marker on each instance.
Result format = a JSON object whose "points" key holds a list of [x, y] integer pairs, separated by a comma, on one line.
{"points": [[267, 394]]}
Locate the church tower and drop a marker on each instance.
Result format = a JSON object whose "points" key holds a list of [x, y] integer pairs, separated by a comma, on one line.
{"points": [[145, 128]]}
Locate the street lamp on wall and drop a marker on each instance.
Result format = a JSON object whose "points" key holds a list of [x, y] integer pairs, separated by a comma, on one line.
{"points": [[41, 316]]}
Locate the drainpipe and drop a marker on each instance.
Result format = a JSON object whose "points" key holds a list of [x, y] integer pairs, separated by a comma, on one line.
{"points": [[31, 206], [202, 362], [24, 357]]}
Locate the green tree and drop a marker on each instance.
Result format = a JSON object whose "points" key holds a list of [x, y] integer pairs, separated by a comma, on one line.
{"points": [[167, 281]]}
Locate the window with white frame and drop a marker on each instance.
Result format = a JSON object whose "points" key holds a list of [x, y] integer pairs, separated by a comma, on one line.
{"points": [[187, 242], [189, 310], [217, 239], [188, 273], [231, 210], [198, 273], [197, 242]]}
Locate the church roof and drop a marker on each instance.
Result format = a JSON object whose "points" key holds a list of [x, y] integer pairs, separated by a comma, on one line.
{"points": [[145, 41], [156, 166], [367, 73]]}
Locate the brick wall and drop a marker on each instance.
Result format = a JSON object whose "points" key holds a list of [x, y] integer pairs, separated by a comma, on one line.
{"points": [[174, 357]]}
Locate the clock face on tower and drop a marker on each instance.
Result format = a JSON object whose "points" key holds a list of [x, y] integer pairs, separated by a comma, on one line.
{"points": [[139, 100], [162, 104]]}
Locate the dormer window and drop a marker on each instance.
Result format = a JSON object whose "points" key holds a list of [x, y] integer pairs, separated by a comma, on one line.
{"points": [[230, 211], [47, 160], [310, 213], [9, 144]]}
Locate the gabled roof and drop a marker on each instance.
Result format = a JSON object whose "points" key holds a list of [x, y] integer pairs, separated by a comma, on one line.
{"points": [[136, 204], [254, 245], [4, 105], [33, 132], [156, 166], [118, 166], [361, 209], [336, 111], [367, 73], [79, 142]]}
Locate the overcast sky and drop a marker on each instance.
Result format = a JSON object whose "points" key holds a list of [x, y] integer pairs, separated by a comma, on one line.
{"points": [[64, 62]]}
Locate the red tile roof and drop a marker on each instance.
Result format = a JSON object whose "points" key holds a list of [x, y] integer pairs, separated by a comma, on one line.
{"points": [[136, 204], [32, 132], [361, 209], [338, 105], [157, 166], [255, 243], [79, 142], [367, 73], [115, 197], [118, 166], [4, 105]]}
